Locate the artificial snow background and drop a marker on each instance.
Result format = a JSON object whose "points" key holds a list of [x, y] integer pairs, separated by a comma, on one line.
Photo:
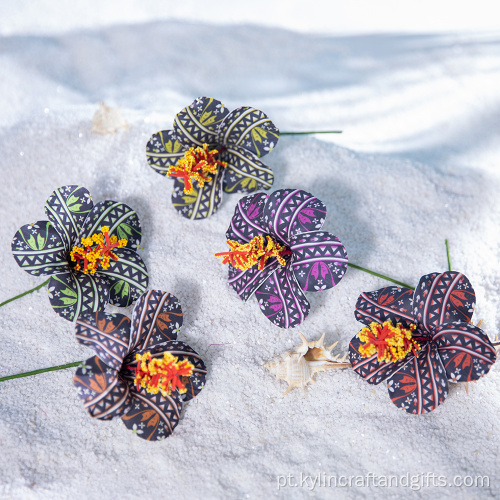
{"points": [[417, 95]]}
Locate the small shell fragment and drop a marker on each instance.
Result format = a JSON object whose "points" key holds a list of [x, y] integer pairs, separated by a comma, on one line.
{"points": [[298, 366], [108, 120]]}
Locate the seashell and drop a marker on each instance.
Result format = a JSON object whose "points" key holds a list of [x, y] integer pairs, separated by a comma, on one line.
{"points": [[107, 120], [298, 366]]}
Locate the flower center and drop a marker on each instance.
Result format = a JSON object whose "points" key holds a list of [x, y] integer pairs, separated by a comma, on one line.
{"points": [[196, 164], [390, 342], [244, 256], [161, 374], [96, 251]]}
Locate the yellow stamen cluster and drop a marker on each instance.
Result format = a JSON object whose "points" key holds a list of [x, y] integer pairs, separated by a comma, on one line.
{"points": [[100, 255], [244, 256], [390, 342], [196, 164], [161, 374]]}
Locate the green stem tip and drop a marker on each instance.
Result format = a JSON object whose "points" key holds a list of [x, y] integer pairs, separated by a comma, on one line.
{"points": [[448, 254], [25, 293], [355, 266], [41, 370]]}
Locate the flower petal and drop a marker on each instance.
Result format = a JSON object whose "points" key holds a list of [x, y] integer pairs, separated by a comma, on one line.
{"points": [[292, 211], [157, 318], [282, 300], [163, 150], [371, 369], [67, 209], [421, 386], [247, 221], [391, 303], [152, 416], [465, 350], [319, 260], [77, 293], [249, 128], [120, 218], [443, 298], [245, 283], [127, 276], [39, 250], [107, 334], [244, 172], [202, 202], [197, 124], [105, 394]]}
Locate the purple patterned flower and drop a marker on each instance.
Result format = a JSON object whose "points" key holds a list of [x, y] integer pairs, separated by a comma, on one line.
{"points": [[108, 384], [211, 149], [314, 260], [438, 312]]}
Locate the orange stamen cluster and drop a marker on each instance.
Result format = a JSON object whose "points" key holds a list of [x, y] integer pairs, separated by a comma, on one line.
{"points": [[244, 256], [161, 374], [196, 164], [100, 255], [390, 342]]}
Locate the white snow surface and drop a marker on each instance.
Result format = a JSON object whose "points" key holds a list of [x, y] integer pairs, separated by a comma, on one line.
{"points": [[416, 163]]}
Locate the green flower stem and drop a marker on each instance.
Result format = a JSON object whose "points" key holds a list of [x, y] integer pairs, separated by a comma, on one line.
{"points": [[25, 293], [355, 266], [448, 254], [42, 370], [313, 132]]}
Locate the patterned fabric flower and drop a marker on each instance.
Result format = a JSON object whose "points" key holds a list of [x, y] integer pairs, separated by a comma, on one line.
{"points": [[89, 250], [419, 341], [210, 149], [140, 373], [277, 251]]}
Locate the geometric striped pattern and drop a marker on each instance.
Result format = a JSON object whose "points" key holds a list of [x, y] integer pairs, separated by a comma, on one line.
{"points": [[318, 260], [105, 382], [241, 137], [43, 248], [39, 250], [450, 349], [442, 298], [421, 385]]}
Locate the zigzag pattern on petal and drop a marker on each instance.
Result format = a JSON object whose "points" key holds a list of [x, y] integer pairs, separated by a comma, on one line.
{"points": [[281, 299], [319, 260], [197, 123], [39, 250], [245, 283], [163, 150], [128, 277], [156, 319], [122, 221], [152, 416], [104, 393], [391, 303], [108, 334], [292, 211], [249, 128], [244, 172], [247, 221], [465, 350], [67, 208], [202, 202], [421, 386]]}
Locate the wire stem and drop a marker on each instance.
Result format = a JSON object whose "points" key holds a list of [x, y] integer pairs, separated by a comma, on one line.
{"points": [[41, 370], [448, 254], [312, 132], [25, 293], [355, 266]]}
